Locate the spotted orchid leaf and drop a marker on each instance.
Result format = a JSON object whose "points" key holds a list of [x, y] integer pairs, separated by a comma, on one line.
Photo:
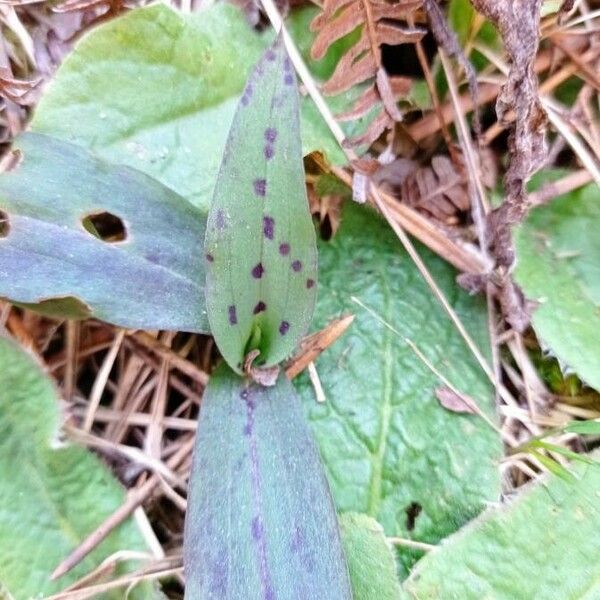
{"points": [[260, 241], [260, 523]]}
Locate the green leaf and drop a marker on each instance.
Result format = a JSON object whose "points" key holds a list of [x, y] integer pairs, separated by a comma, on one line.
{"points": [[559, 450], [370, 559], [156, 90], [154, 279], [260, 522], [558, 266], [260, 240], [390, 449], [545, 544], [584, 427], [52, 495]]}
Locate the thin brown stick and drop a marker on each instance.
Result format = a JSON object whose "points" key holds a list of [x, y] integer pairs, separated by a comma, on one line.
{"points": [[175, 360], [101, 379], [72, 342], [566, 184]]}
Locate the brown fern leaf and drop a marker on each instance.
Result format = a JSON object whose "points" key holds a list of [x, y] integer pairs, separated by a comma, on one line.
{"points": [[438, 189], [381, 23]]}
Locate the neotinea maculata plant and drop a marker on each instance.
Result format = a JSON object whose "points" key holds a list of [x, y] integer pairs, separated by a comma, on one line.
{"points": [[260, 521]]}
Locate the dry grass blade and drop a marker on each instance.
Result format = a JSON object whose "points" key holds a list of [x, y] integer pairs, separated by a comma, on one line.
{"points": [[128, 581], [380, 23], [463, 256]]}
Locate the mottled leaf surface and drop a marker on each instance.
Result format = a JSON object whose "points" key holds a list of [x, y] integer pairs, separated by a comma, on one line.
{"points": [[153, 279], [390, 449], [370, 558], [52, 495], [558, 266], [157, 90], [544, 545], [260, 522], [261, 259]]}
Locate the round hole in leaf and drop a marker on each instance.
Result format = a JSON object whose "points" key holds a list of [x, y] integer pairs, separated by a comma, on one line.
{"points": [[4, 224], [105, 226]]}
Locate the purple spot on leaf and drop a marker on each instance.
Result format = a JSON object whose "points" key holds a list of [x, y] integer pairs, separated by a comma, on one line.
{"points": [[210, 257], [260, 187], [284, 327], [232, 315], [269, 227], [297, 540], [220, 219], [257, 271], [270, 55], [297, 266], [269, 152], [284, 249], [153, 258], [257, 528], [260, 307], [288, 79], [287, 64], [310, 283], [247, 95], [270, 134]]}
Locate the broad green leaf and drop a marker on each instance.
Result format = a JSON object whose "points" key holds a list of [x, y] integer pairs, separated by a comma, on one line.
{"points": [[543, 545], [558, 266], [370, 559], [261, 257], [154, 279], [156, 90], [260, 522], [52, 494], [390, 449]]}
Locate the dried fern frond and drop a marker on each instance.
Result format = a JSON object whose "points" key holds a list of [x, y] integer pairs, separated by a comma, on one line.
{"points": [[381, 23], [437, 189]]}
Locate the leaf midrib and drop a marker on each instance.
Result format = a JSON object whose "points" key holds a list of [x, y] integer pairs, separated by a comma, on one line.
{"points": [[378, 456]]}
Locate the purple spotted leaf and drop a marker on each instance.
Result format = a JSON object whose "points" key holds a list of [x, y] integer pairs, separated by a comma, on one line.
{"points": [[54, 259], [260, 523], [260, 249]]}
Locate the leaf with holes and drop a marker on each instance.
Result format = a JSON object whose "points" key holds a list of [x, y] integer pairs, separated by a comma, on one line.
{"points": [[52, 494], [558, 267], [156, 89], [260, 241], [145, 270], [390, 449], [260, 522], [370, 558], [518, 550]]}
